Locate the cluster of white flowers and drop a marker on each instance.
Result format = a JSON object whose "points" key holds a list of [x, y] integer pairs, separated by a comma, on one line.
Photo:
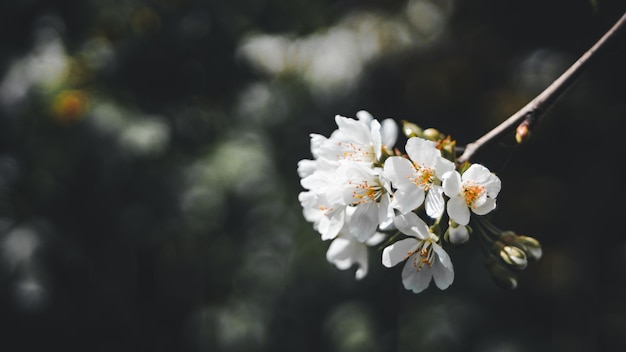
{"points": [[359, 190]]}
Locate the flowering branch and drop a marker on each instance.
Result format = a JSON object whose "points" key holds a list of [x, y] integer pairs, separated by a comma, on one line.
{"points": [[526, 117], [361, 191]]}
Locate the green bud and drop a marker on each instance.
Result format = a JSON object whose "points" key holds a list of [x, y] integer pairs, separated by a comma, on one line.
{"points": [[508, 237], [501, 275], [448, 149], [410, 129], [533, 247], [457, 234], [528, 245], [431, 134], [522, 133], [514, 257]]}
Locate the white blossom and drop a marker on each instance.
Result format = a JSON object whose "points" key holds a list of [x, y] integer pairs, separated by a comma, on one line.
{"points": [[359, 140], [457, 234], [424, 258], [418, 179], [368, 193], [476, 189], [345, 251]]}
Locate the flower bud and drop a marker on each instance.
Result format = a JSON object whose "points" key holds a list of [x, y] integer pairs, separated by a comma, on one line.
{"points": [[431, 134], [457, 234], [508, 237], [529, 245], [514, 257], [522, 133], [410, 129], [448, 148], [503, 277], [532, 246]]}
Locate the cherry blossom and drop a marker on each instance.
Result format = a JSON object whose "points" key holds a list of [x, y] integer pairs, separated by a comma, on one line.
{"points": [[417, 179], [475, 190], [424, 257]]}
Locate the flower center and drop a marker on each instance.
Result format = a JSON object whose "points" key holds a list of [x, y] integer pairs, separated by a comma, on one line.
{"points": [[424, 253], [366, 192], [423, 177], [472, 192], [325, 210], [353, 152]]}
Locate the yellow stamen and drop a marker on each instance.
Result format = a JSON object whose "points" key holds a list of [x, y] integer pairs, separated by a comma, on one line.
{"points": [[472, 191], [354, 152], [423, 177]]}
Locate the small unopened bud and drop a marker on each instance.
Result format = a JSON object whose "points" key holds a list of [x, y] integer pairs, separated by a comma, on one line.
{"points": [[514, 256], [508, 237], [448, 148], [522, 133], [501, 275], [533, 247], [457, 234], [528, 245], [431, 134], [410, 129]]}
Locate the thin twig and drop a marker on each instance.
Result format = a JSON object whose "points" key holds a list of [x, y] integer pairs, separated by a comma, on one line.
{"points": [[539, 104]]}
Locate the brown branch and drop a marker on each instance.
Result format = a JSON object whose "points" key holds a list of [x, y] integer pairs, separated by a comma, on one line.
{"points": [[536, 107]]}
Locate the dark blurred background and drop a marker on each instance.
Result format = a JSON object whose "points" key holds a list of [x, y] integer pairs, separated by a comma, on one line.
{"points": [[148, 185]]}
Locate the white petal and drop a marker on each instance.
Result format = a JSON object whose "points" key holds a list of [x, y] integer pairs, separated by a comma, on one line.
{"points": [[376, 139], [364, 221], [389, 132], [385, 212], [458, 235], [422, 151], [361, 271], [434, 202], [442, 256], [331, 225], [337, 253], [458, 210], [344, 252], [317, 181], [443, 271], [353, 129], [364, 116], [398, 251], [451, 183], [376, 239], [398, 169], [415, 280], [306, 167], [317, 140], [493, 186], [442, 166], [408, 200], [486, 207], [344, 256], [411, 224], [477, 173]]}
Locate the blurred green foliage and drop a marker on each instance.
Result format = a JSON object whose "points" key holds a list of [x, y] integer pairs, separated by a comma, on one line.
{"points": [[148, 185]]}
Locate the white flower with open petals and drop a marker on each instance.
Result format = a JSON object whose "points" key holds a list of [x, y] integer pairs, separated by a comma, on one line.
{"points": [[418, 179], [358, 140], [476, 189], [368, 193], [425, 258], [327, 216], [345, 251]]}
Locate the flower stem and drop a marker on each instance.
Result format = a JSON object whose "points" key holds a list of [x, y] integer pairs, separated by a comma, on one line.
{"points": [[545, 99]]}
